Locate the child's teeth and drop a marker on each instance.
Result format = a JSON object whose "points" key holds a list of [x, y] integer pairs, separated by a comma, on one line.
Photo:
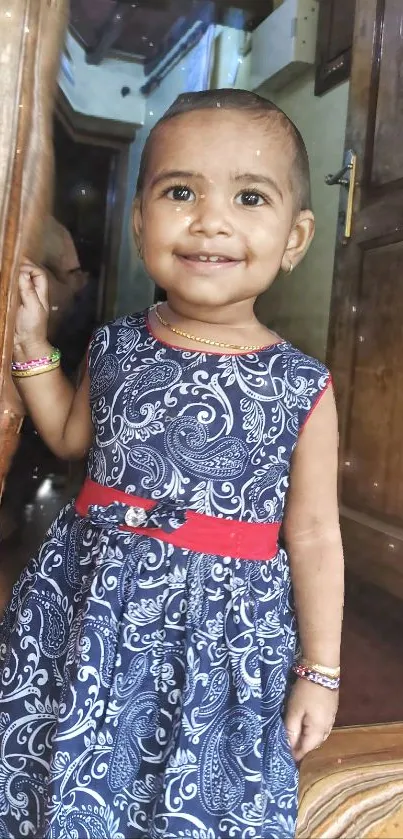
{"points": [[203, 258], [214, 258]]}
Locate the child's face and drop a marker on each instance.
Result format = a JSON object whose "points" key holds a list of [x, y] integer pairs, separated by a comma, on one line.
{"points": [[217, 216]]}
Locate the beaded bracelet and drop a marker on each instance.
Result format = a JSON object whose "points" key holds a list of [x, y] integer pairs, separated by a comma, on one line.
{"points": [[330, 682], [17, 366], [35, 371]]}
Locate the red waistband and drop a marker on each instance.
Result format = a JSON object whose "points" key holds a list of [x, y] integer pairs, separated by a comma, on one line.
{"points": [[200, 533]]}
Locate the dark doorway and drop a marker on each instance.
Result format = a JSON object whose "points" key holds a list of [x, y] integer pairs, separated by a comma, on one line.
{"points": [[81, 195], [83, 175]]}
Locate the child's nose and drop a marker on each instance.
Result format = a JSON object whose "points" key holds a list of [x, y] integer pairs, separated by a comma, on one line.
{"points": [[211, 217]]}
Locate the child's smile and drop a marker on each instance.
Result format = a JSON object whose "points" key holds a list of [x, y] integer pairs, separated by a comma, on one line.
{"points": [[204, 262]]}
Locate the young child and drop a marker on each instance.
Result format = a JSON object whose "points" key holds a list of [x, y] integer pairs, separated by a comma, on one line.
{"points": [[151, 684]]}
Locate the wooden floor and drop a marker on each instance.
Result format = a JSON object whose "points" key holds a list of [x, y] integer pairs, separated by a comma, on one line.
{"points": [[352, 787]]}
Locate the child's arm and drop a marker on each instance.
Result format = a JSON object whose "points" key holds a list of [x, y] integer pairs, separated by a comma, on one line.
{"points": [[60, 414], [312, 534]]}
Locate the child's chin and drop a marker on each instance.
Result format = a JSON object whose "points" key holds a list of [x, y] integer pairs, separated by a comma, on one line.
{"points": [[206, 298]]}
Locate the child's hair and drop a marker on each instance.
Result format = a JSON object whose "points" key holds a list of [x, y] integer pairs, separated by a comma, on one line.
{"points": [[240, 100]]}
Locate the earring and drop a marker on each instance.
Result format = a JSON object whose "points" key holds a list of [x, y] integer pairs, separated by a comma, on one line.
{"points": [[289, 269]]}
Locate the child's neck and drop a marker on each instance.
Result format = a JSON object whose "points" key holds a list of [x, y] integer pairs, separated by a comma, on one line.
{"points": [[237, 316], [235, 326]]}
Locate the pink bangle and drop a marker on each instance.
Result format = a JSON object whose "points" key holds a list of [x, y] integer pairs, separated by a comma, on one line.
{"points": [[35, 371], [17, 366]]}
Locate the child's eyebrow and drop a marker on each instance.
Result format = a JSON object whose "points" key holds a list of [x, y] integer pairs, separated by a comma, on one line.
{"points": [[255, 178], [169, 175]]}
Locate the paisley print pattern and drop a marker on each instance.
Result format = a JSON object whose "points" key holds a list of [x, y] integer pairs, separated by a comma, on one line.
{"points": [[142, 685]]}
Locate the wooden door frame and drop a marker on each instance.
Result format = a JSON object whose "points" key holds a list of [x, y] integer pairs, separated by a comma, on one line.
{"points": [[31, 43], [116, 136]]}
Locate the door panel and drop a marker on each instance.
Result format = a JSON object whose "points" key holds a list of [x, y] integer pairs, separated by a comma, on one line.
{"points": [[388, 167], [365, 350], [375, 434]]}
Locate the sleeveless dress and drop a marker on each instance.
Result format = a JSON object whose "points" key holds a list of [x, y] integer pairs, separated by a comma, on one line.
{"points": [[142, 685]]}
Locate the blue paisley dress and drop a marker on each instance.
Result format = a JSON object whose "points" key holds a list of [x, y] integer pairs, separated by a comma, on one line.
{"points": [[142, 685]]}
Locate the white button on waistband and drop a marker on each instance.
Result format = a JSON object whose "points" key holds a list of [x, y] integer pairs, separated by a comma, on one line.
{"points": [[135, 517]]}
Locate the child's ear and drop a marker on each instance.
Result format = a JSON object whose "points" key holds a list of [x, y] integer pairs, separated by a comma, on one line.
{"points": [[299, 240], [137, 222]]}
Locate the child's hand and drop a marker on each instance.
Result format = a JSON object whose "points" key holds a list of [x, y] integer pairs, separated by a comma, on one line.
{"points": [[33, 311], [310, 715]]}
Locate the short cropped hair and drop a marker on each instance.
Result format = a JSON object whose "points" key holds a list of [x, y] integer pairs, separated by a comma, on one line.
{"points": [[241, 100]]}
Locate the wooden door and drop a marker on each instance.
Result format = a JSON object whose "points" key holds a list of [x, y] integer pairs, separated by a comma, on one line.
{"points": [[366, 319], [31, 38]]}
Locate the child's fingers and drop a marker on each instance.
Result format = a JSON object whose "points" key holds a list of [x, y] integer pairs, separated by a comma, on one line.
{"points": [[29, 268], [293, 726], [28, 265], [40, 283], [32, 284], [303, 735], [26, 287], [311, 738], [293, 734]]}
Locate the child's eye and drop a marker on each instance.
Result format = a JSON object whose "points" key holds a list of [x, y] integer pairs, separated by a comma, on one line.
{"points": [[250, 199], [180, 193]]}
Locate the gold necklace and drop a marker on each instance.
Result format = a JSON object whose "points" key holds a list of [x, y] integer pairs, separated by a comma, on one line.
{"points": [[208, 341]]}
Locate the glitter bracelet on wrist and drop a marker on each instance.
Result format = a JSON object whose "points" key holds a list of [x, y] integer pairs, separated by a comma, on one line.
{"points": [[332, 683], [17, 366], [55, 355], [35, 371]]}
